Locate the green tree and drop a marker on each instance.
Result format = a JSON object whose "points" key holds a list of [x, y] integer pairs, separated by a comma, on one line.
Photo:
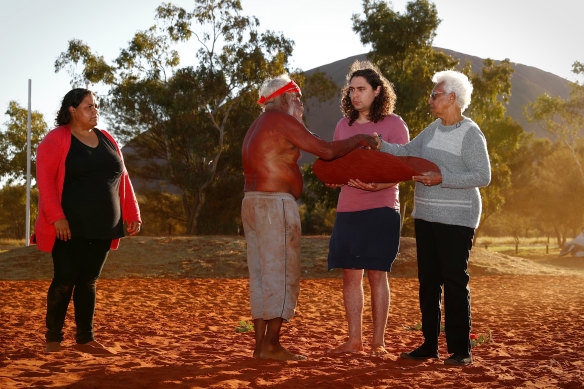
{"points": [[560, 191], [13, 210], [13, 143], [561, 175], [163, 212], [402, 48], [13, 166], [546, 191], [319, 204], [184, 116], [523, 207], [563, 118], [491, 91]]}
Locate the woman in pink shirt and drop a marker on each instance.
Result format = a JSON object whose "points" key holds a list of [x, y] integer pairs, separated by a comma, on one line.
{"points": [[85, 195], [367, 226]]}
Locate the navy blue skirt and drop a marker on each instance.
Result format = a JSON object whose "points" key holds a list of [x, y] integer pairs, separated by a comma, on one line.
{"points": [[366, 239]]}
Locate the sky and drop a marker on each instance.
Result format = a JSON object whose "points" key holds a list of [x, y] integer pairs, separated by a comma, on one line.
{"points": [[540, 33]]}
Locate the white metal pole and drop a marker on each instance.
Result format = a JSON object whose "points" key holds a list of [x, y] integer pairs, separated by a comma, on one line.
{"points": [[26, 238]]}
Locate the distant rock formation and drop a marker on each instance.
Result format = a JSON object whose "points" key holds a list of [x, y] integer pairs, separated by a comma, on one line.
{"points": [[527, 83], [321, 117]]}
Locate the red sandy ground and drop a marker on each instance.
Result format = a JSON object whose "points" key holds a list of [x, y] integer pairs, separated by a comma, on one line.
{"points": [[180, 333]]}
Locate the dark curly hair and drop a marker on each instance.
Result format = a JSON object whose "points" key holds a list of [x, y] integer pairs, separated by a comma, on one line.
{"points": [[383, 104], [72, 99]]}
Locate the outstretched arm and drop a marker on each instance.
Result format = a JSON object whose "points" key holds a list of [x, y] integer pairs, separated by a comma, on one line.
{"points": [[302, 138]]}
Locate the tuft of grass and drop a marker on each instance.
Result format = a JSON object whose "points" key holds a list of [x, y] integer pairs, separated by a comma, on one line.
{"points": [[524, 247], [475, 340], [244, 326], [8, 244], [418, 327]]}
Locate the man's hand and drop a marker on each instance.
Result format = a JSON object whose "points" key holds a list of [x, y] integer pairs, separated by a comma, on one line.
{"points": [[369, 141]]}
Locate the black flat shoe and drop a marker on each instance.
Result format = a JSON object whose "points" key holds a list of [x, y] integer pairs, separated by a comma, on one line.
{"points": [[457, 359], [420, 354]]}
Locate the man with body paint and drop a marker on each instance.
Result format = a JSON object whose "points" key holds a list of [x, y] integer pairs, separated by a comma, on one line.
{"points": [[273, 183]]}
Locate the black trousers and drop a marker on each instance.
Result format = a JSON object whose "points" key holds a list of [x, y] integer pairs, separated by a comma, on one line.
{"points": [[77, 265], [443, 251]]}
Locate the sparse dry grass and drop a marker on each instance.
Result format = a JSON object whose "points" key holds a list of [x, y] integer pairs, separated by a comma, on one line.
{"points": [[225, 257], [505, 245], [527, 247], [7, 244]]}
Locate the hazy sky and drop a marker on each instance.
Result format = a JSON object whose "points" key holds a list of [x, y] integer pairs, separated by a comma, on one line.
{"points": [[541, 33]]}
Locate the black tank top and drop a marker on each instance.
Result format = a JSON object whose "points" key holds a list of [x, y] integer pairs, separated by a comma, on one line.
{"points": [[91, 198]]}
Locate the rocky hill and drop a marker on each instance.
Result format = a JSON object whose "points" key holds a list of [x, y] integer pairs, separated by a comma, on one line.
{"points": [[321, 117], [527, 82]]}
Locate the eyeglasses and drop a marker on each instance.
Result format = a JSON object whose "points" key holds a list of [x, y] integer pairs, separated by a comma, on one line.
{"points": [[434, 94]]}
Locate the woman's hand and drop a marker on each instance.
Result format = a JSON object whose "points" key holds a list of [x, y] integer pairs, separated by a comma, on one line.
{"points": [[62, 229], [379, 141], [372, 187], [429, 178], [133, 228]]}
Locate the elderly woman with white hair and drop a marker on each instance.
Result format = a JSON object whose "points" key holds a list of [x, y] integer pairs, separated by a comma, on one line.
{"points": [[447, 209]]}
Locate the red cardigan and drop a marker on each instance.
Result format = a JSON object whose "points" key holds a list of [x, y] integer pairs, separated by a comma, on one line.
{"points": [[51, 155]]}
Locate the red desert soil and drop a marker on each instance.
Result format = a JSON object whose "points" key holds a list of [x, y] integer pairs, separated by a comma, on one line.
{"points": [[168, 309]]}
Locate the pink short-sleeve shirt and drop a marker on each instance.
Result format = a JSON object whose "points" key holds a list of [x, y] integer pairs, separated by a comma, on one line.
{"points": [[393, 130]]}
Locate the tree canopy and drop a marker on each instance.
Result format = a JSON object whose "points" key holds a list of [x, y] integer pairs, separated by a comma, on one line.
{"points": [[13, 166], [402, 49], [13, 143], [183, 120], [563, 118]]}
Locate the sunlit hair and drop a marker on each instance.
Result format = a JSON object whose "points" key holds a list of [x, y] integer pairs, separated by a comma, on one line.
{"points": [[270, 86], [72, 99], [383, 104], [453, 81]]}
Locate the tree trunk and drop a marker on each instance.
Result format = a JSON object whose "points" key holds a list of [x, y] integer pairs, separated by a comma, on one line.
{"points": [[478, 229], [576, 159], [476, 234], [558, 237], [193, 222], [190, 222], [403, 216]]}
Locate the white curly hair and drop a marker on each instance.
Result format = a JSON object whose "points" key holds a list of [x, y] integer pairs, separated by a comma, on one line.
{"points": [[453, 81]]}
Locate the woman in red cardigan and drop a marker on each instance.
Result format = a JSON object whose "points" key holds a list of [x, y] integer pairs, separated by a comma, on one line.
{"points": [[85, 195]]}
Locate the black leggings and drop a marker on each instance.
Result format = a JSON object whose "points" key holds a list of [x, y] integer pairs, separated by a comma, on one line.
{"points": [[77, 265]]}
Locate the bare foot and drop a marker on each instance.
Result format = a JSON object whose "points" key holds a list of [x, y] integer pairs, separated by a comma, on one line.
{"points": [[347, 347], [279, 353], [93, 347], [378, 351], [52, 347]]}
